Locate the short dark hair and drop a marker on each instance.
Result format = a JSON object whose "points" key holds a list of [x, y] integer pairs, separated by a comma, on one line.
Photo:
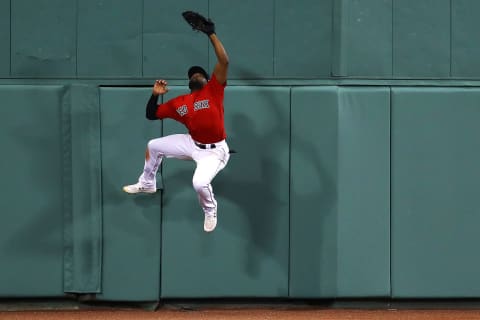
{"points": [[197, 69]]}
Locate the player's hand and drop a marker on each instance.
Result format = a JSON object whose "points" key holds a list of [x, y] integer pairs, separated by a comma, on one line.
{"points": [[160, 87]]}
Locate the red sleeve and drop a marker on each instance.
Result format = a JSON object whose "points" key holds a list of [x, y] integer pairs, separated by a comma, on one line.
{"points": [[168, 109], [215, 87], [216, 84]]}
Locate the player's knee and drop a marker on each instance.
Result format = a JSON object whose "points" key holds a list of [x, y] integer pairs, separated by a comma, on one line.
{"points": [[199, 184], [150, 145]]}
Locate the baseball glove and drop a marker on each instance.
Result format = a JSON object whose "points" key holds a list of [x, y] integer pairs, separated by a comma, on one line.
{"points": [[199, 22]]}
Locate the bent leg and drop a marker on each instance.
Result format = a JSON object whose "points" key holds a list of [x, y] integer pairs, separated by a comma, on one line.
{"points": [[178, 146], [207, 169]]}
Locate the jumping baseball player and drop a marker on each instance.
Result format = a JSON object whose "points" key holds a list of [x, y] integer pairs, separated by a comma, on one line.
{"points": [[201, 112]]}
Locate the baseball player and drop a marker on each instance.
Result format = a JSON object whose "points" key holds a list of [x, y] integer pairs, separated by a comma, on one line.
{"points": [[201, 112]]}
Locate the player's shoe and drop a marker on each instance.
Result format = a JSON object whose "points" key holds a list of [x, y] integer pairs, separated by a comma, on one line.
{"points": [[210, 222], [138, 188]]}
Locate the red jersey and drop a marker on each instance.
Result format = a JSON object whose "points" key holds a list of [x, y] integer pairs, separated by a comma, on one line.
{"points": [[201, 112]]}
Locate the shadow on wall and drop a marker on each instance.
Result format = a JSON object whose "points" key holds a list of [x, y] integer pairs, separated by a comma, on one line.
{"points": [[256, 148], [250, 182], [252, 177], [315, 226], [257, 196]]}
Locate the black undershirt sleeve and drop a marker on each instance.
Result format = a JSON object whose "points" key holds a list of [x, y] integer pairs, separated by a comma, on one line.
{"points": [[151, 109]]}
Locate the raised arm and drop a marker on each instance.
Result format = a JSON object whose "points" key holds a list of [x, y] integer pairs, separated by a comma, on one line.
{"points": [[207, 26], [159, 88], [221, 68]]}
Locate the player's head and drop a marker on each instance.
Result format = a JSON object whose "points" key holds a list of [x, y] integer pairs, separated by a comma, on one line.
{"points": [[198, 78]]}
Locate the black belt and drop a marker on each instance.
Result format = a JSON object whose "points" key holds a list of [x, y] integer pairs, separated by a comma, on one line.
{"points": [[206, 146]]}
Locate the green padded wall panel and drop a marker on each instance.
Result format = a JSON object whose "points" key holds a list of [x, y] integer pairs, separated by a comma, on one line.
{"points": [[249, 45], [247, 255], [31, 232], [365, 31], [82, 208], [363, 192], [435, 183], [421, 38], [109, 38], [170, 46], [131, 223], [303, 49], [465, 47], [44, 38], [313, 192], [5, 38], [340, 181]]}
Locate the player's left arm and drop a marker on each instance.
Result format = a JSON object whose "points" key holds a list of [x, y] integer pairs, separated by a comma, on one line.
{"points": [[159, 89], [221, 68]]}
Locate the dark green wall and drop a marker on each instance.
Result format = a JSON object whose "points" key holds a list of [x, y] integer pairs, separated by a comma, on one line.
{"points": [[304, 39], [340, 179], [5, 38], [43, 38], [31, 223], [354, 122], [435, 186]]}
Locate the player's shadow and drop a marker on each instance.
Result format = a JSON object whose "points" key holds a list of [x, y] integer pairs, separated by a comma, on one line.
{"points": [[256, 182], [314, 228], [255, 186], [319, 205]]}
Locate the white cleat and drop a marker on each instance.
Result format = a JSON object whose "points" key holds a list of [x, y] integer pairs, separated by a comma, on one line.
{"points": [[138, 188], [210, 222]]}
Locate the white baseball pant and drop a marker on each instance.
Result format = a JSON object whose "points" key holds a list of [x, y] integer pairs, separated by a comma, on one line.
{"points": [[182, 146]]}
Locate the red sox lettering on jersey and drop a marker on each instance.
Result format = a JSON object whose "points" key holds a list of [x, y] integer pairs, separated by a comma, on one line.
{"points": [[201, 112], [183, 110]]}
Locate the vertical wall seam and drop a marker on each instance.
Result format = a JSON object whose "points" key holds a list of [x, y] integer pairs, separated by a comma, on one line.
{"points": [[345, 12], [451, 36], [68, 279], [390, 151], [338, 147], [332, 39], [11, 48], [345, 21], [100, 158], [390, 170], [273, 38], [77, 20], [393, 39], [289, 196], [141, 37]]}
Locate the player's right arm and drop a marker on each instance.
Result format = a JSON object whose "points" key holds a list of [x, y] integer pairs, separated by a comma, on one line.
{"points": [[159, 88], [221, 68]]}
